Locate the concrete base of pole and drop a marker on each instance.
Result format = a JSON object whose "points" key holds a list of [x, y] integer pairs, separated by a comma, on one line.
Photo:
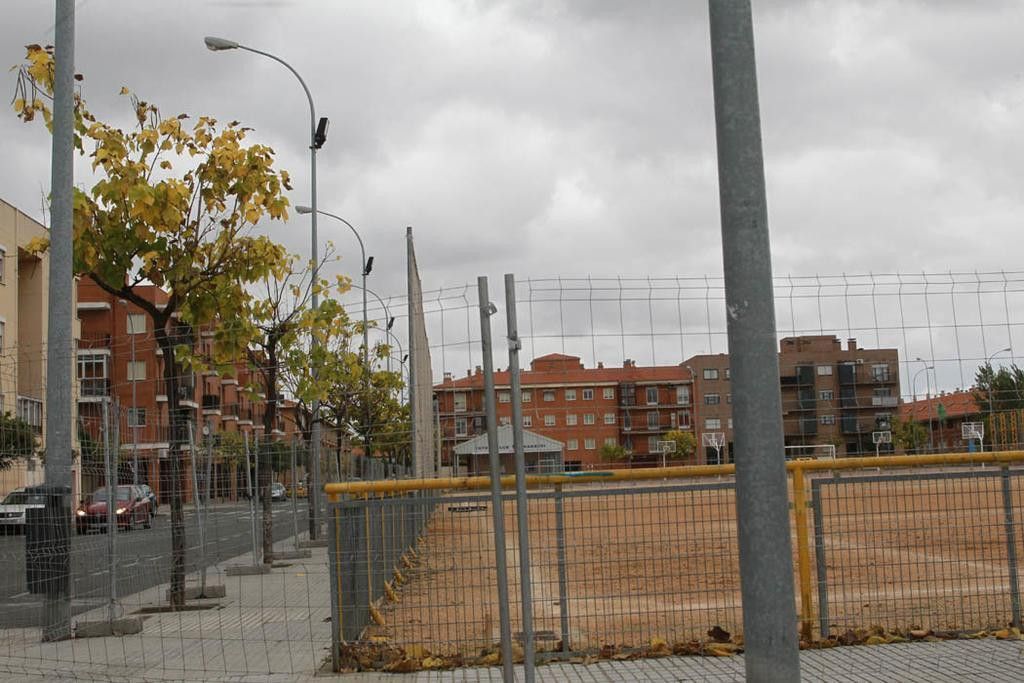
{"points": [[248, 570], [291, 554], [199, 593], [100, 629], [315, 543]]}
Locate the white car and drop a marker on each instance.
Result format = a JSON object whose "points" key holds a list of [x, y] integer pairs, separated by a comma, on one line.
{"points": [[12, 510]]}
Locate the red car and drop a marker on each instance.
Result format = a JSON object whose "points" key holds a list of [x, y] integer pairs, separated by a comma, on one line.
{"points": [[133, 508]]}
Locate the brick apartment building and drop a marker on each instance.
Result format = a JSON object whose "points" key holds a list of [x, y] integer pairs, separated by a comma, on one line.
{"points": [[830, 395], [118, 360], [942, 417]]}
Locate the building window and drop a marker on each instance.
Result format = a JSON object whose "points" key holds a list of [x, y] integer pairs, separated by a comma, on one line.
{"points": [[627, 421], [527, 420], [136, 417], [728, 398], [652, 396], [824, 370], [712, 399], [880, 372], [92, 374], [828, 419], [826, 395], [588, 418], [712, 423], [502, 421], [460, 426], [549, 420], [608, 393], [504, 397], [589, 444], [728, 373], [549, 395], [588, 394], [683, 396], [136, 323], [610, 441], [570, 394], [136, 371], [609, 418], [570, 420], [3, 259], [31, 411], [684, 419], [572, 445], [527, 396], [730, 423], [460, 403], [652, 444], [2, 334], [710, 373], [653, 419]]}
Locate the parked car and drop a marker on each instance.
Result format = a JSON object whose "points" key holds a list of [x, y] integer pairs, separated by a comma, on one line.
{"points": [[278, 491], [12, 510], [154, 504], [132, 508]]}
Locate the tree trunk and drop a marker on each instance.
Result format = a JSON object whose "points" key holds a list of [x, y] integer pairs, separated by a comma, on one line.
{"points": [[175, 439]]}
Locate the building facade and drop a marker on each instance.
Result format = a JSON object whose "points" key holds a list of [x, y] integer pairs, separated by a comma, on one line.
{"points": [[24, 297], [120, 364], [833, 398]]}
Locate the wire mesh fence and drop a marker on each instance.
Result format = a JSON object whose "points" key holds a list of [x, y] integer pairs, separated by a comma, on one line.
{"points": [[638, 564]]}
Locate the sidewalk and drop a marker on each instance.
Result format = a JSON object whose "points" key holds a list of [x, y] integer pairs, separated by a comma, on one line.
{"points": [[276, 627]]}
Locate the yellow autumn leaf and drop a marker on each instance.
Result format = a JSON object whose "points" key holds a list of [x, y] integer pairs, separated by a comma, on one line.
{"points": [[125, 90], [19, 105], [37, 245]]}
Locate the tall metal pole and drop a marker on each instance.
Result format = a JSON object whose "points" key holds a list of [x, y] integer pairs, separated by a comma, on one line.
{"points": [[522, 509], [765, 551], [111, 512], [59, 423], [487, 309]]}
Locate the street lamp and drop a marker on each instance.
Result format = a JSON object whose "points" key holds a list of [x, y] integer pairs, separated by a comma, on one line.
{"points": [[134, 424], [913, 388], [317, 138], [991, 390], [367, 267], [389, 318]]}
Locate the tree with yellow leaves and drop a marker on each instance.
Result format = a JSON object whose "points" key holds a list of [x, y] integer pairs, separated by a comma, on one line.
{"points": [[174, 206]]}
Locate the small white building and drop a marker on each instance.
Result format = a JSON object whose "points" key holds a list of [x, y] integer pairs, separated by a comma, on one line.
{"points": [[542, 455]]}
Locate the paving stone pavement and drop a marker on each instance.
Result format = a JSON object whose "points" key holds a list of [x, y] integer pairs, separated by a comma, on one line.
{"points": [[276, 627]]}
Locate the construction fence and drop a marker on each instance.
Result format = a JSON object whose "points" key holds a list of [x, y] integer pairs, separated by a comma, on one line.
{"points": [[626, 562]]}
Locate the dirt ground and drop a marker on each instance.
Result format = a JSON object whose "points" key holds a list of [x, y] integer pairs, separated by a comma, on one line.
{"points": [[646, 562]]}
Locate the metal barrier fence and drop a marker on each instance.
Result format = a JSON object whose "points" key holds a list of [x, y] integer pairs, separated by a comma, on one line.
{"points": [[630, 561]]}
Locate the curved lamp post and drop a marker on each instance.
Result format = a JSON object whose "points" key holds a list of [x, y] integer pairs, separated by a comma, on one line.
{"points": [[317, 137]]}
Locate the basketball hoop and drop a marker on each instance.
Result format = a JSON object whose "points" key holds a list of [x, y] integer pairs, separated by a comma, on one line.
{"points": [[714, 440], [665, 447], [878, 438]]}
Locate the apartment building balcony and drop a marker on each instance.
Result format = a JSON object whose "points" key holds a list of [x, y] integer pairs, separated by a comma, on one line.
{"points": [[93, 389], [229, 411], [849, 424], [884, 401], [211, 404], [186, 394]]}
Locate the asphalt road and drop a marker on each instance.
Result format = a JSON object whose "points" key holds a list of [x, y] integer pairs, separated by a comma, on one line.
{"points": [[144, 557]]}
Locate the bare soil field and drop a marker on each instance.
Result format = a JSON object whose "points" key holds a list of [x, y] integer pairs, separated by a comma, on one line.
{"points": [[648, 562]]}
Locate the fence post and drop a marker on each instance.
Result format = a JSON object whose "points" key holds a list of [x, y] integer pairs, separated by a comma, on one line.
{"points": [[334, 557], [1011, 545], [819, 559], [369, 551], [563, 574], [803, 554], [111, 516], [352, 585], [522, 504], [487, 309]]}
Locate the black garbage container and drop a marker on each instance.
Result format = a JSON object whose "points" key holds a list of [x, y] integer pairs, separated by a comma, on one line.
{"points": [[47, 538]]}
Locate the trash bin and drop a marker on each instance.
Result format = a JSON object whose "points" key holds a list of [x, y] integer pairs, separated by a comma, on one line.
{"points": [[47, 538]]}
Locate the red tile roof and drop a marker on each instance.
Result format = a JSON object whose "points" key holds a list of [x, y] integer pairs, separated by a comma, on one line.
{"points": [[957, 405]]}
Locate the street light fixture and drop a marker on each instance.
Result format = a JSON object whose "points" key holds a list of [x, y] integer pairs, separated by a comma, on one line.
{"points": [[317, 137], [991, 390], [367, 267], [913, 388]]}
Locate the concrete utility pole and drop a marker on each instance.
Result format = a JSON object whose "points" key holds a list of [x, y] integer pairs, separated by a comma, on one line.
{"points": [[57, 606], [766, 561]]}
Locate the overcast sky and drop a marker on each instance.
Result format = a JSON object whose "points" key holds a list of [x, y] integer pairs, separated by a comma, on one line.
{"points": [[577, 138]]}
